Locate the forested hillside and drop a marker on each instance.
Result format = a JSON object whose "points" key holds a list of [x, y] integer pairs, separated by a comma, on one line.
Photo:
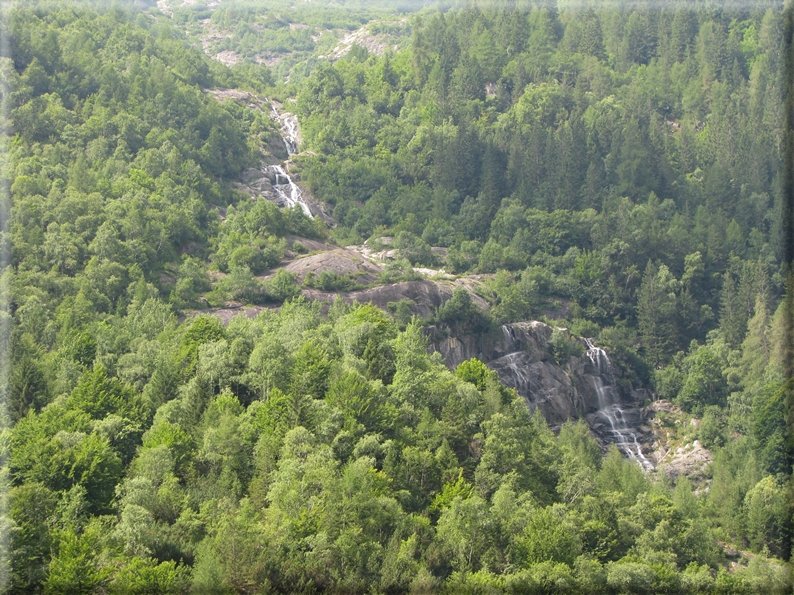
{"points": [[617, 173]]}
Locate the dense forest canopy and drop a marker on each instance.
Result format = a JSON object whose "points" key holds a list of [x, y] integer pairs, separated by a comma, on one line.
{"points": [[621, 167]]}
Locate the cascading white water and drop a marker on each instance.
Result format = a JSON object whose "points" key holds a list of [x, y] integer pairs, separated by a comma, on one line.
{"points": [[288, 191], [285, 187], [289, 127], [609, 408], [514, 363], [598, 357]]}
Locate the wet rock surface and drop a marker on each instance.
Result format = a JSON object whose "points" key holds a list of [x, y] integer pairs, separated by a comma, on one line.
{"points": [[583, 387], [272, 180], [274, 183]]}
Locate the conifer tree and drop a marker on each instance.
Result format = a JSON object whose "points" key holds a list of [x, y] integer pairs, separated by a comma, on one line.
{"points": [[756, 347], [656, 308], [732, 323]]}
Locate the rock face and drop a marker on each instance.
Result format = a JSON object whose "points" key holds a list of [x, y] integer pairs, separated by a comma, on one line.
{"points": [[690, 460], [424, 296], [339, 261], [274, 183], [583, 387], [675, 451]]}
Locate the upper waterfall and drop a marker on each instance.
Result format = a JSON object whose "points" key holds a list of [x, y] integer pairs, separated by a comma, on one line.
{"points": [[289, 128], [288, 192], [598, 357]]}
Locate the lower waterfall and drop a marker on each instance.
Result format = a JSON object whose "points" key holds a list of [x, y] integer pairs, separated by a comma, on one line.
{"points": [[609, 409], [288, 192]]}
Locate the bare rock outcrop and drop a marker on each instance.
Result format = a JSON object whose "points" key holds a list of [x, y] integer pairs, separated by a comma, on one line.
{"points": [[675, 449], [690, 460], [424, 296], [339, 261]]}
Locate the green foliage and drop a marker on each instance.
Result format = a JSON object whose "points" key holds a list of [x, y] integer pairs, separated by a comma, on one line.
{"points": [[360, 444], [282, 286], [704, 383], [769, 428], [144, 575], [767, 517], [476, 372], [514, 301], [548, 537], [656, 306], [75, 568], [564, 346], [32, 505], [462, 315], [203, 329], [398, 271], [330, 281], [413, 249], [240, 285], [559, 154], [97, 395], [192, 281]]}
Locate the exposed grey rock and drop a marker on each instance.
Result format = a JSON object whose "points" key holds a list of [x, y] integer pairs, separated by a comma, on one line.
{"points": [[339, 261], [426, 296], [584, 387], [690, 460]]}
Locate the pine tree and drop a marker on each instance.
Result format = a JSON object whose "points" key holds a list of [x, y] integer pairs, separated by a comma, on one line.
{"points": [[732, 320], [747, 290], [592, 40], [782, 333], [757, 346], [684, 29], [656, 308], [492, 188]]}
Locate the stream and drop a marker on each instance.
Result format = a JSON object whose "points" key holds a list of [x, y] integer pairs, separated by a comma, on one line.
{"points": [[610, 410], [288, 193]]}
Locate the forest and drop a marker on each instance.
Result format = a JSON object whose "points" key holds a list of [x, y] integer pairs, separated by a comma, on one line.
{"points": [[616, 171]]}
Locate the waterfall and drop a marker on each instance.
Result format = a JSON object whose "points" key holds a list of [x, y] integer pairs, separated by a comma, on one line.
{"points": [[599, 358], [513, 362], [287, 190], [618, 430], [289, 126], [610, 410]]}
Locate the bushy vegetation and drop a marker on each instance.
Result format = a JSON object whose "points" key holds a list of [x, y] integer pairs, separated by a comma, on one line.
{"points": [[621, 168], [306, 453]]}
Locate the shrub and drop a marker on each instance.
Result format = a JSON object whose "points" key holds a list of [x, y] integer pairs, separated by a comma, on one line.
{"points": [[564, 346]]}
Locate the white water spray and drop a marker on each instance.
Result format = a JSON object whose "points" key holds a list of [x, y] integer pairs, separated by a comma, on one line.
{"points": [[287, 190], [599, 358], [609, 408], [289, 128]]}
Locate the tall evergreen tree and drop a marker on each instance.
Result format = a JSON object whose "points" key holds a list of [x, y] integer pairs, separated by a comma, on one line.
{"points": [[732, 319], [656, 311], [757, 346]]}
